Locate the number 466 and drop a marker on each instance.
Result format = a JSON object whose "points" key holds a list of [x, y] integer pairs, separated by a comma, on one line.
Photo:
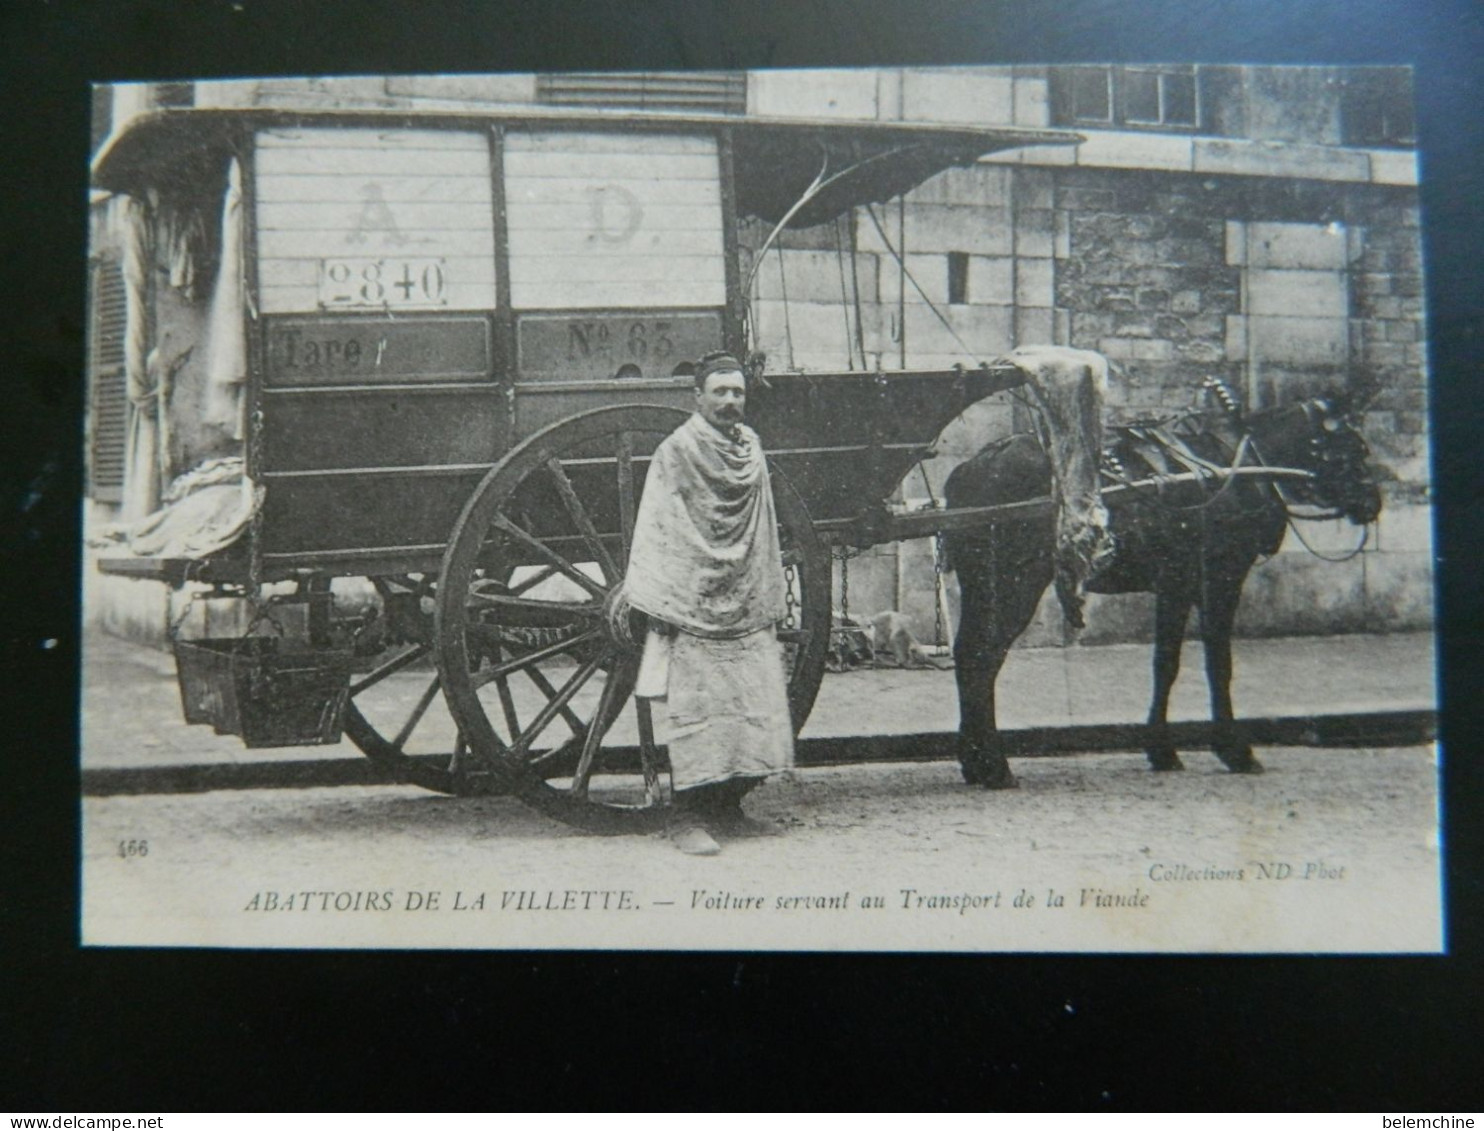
{"points": [[128, 848]]}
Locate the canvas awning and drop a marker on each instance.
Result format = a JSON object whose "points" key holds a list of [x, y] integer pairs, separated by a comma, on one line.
{"points": [[776, 161]]}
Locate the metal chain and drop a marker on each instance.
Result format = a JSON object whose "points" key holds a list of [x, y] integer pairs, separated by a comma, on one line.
{"points": [[938, 637], [261, 609], [790, 602], [844, 588]]}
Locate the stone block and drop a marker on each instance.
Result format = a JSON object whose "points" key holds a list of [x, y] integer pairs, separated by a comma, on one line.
{"points": [[1136, 349], [1034, 326], [1314, 246], [1201, 351], [226, 93], [1032, 104], [930, 272], [1280, 159], [812, 94], [1321, 341], [943, 228], [1166, 152], [1399, 592], [1314, 294], [1297, 594], [814, 328], [1061, 326], [957, 95], [1046, 156], [1404, 528], [1236, 243], [1393, 166], [983, 332], [1089, 326], [1379, 306], [1185, 302], [1062, 240], [1212, 326], [1077, 198], [1034, 188], [1236, 337], [1386, 353], [979, 185], [1035, 282], [814, 276], [1035, 233], [464, 88], [991, 280]]}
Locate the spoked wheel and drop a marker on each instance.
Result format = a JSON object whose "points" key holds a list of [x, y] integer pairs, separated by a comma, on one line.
{"points": [[396, 714], [539, 684]]}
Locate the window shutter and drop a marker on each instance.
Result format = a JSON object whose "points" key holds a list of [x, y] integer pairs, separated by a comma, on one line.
{"points": [[714, 92], [109, 400]]}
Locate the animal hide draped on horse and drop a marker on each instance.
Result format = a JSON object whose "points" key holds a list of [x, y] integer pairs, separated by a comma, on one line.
{"points": [[1069, 386]]}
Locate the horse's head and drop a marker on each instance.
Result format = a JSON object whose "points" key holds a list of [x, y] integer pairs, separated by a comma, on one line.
{"points": [[1333, 449]]}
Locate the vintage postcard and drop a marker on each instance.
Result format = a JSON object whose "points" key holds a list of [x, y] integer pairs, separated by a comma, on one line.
{"points": [[932, 509]]}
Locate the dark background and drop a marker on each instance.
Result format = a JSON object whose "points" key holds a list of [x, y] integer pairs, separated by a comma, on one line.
{"points": [[182, 1030]]}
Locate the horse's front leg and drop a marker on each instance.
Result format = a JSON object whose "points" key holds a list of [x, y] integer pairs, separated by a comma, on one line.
{"points": [[1171, 610], [1218, 616]]}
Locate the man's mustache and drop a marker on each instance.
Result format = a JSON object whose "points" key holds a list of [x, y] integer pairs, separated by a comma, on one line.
{"points": [[729, 413]]}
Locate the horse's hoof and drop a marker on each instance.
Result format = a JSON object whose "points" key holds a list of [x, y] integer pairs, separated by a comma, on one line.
{"points": [[1005, 780], [1240, 761], [987, 774], [1164, 761]]}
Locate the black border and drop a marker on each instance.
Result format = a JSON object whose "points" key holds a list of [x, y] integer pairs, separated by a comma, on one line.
{"points": [[171, 1030]]}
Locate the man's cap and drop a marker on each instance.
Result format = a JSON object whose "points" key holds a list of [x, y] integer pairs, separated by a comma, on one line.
{"points": [[718, 362]]}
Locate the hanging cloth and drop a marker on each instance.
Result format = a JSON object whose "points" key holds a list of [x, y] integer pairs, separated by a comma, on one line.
{"points": [[226, 333], [141, 494]]}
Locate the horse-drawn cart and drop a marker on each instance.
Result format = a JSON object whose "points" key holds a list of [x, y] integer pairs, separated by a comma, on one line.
{"points": [[448, 345]]}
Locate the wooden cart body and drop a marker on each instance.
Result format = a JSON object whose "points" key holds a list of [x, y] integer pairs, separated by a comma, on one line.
{"points": [[387, 386]]}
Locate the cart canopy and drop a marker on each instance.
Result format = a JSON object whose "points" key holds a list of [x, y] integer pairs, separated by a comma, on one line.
{"points": [[775, 160]]}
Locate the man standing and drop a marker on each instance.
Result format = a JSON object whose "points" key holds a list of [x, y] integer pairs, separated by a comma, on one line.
{"points": [[705, 568]]}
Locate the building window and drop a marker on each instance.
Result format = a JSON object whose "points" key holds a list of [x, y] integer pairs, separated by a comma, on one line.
{"points": [[958, 277], [1159, 96], [108, 400], [1092, 94], [1146, 97], [713, 92], [1376, 107]]}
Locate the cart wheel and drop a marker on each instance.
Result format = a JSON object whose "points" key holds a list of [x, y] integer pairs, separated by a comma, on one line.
{"points": [[395, 713], [540, 686]]}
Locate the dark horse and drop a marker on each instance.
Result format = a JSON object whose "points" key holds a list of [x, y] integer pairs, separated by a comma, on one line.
{"points": [[1189, 543]]}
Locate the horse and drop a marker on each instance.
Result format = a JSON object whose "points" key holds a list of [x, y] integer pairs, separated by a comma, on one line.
{"points": [[1190, 543]]}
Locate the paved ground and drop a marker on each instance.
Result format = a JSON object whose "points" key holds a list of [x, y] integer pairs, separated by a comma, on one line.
{"points": [[1330, 850], [131, 707]]}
